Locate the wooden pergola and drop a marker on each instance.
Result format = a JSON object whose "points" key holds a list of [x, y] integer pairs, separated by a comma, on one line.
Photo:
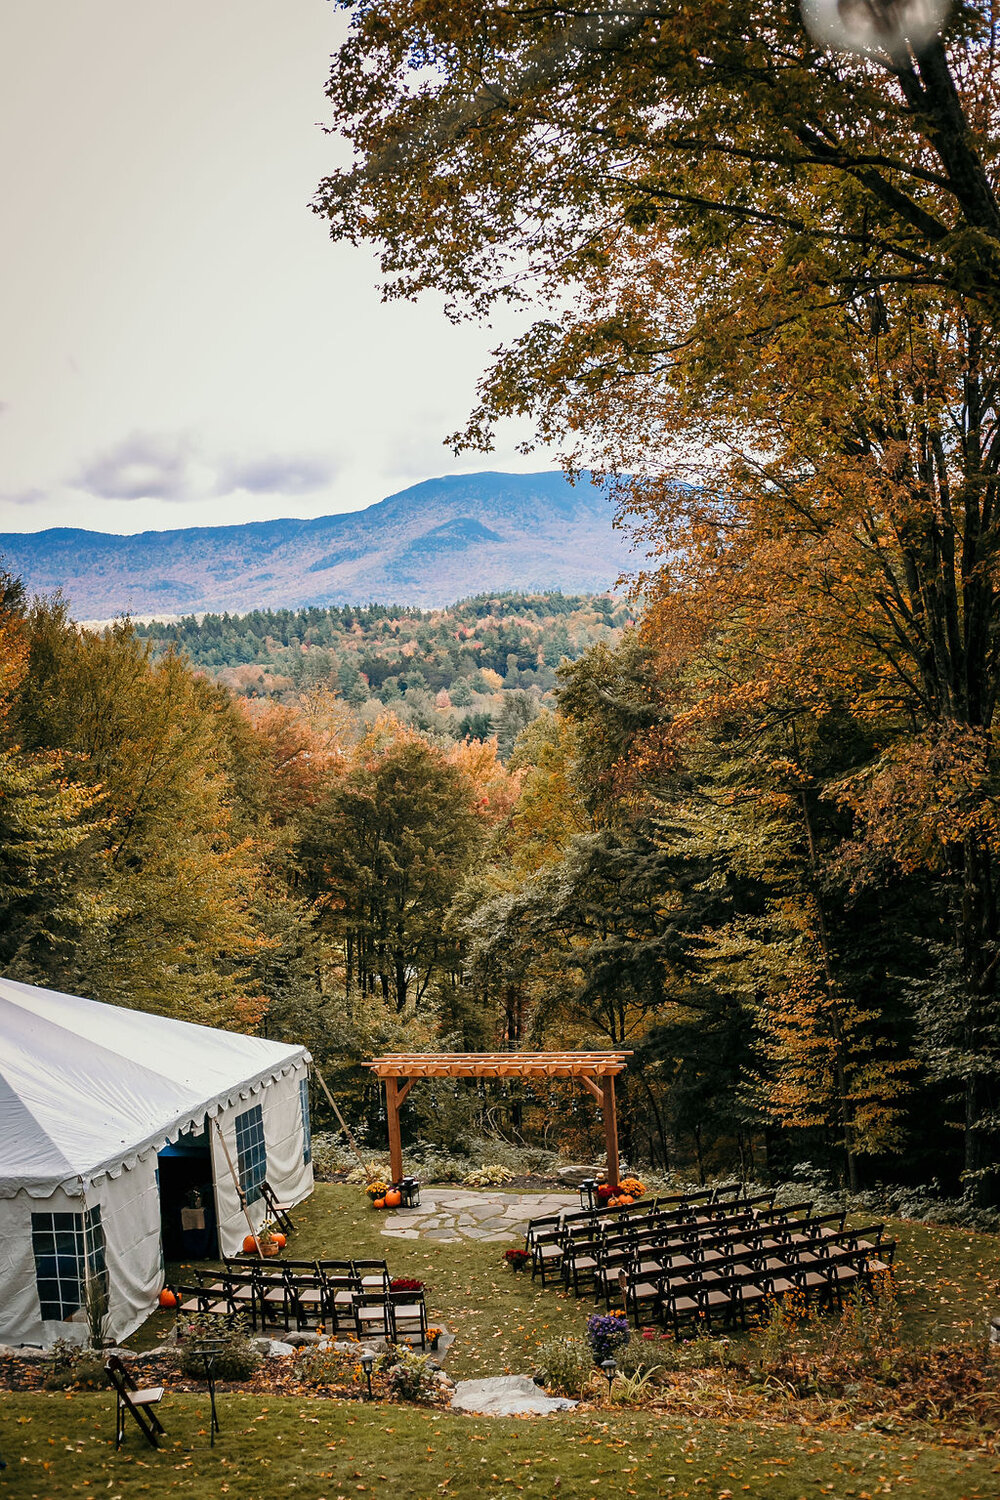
{"points": [[595, 1071]]}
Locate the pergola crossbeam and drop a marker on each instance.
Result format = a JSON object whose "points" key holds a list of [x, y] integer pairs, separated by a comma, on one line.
{"points": [[596, 1071]]}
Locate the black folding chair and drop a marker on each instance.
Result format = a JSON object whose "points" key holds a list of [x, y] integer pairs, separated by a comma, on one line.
{"points": [[277, 1211], [128, 1397], [408, 1318]]}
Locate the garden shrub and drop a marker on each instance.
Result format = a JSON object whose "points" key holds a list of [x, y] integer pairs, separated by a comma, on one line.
{"points": [[566, 1365], [408, 1375], [327, 1367], [492, 1175], [73, 1366], [330, 1156], [237, 1360], [664, 1354]]}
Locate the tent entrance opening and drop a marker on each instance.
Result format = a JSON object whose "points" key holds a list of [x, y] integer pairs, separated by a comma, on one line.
{"points": [[187, 1198]]}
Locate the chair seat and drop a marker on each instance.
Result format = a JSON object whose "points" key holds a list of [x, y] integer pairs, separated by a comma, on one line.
{"points": [[878, 1265], [146, 1397], [751, 1293]]}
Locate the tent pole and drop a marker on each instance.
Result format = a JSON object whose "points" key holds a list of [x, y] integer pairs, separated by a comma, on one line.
{"points": [[343, 1124], [238, 1187]]}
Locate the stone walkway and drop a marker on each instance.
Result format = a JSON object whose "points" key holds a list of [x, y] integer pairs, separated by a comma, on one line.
{"points": [[450, 1214]]}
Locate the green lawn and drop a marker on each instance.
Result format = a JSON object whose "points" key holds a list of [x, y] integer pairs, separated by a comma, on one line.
{"points": [[59, 1446]]}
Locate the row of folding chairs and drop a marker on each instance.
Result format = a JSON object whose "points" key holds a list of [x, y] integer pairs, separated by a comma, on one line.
{"points": [[352, 1298], [547, 1239], [819, 1271], [596, 1264]]}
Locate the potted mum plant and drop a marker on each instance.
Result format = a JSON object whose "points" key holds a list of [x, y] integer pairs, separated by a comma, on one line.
{"points": [[376, 1191]]}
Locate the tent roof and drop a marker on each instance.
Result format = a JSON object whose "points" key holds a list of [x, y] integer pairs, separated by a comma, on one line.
{"points": [[86, 1088]]}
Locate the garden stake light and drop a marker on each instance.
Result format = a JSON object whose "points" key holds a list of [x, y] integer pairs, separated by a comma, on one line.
{"points": [[610, 1368], [367, 1363]]}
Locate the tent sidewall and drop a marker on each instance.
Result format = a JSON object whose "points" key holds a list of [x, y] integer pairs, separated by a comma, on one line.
{"points": [[288, 1173]]}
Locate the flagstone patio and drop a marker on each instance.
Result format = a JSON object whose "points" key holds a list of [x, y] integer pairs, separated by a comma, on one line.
{"points": [[449, 1214]]}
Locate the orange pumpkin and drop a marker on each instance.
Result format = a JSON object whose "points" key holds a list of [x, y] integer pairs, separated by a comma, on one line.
{"points": [[393, 1199], [168, 1298], [250, 1245], [378, 1203], [625, 1198], [279, 1240]]}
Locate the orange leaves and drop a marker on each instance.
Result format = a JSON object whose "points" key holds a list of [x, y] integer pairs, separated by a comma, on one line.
{"points": [[495, 789]]}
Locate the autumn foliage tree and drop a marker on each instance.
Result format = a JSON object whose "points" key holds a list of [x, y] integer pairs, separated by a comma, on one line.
{"points": [[773, 274]]}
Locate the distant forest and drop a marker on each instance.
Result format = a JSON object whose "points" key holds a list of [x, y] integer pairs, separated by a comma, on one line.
{"points": [[445, 672]]}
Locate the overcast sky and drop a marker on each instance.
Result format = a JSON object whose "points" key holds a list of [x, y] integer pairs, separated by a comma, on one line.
{"points": [[180, 341]]}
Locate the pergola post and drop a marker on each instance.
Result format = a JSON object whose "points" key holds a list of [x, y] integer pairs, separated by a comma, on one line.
{"points": [[611, 1126], [395, 1139]]}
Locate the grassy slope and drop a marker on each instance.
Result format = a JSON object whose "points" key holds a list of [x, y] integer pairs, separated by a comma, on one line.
{"points": [[59, 1447], [325, 1449]]}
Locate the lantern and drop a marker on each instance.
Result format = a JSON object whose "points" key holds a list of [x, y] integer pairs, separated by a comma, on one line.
{"points": [[588, 1194], [367, 1364], [610, 1368], [410, 1189]]}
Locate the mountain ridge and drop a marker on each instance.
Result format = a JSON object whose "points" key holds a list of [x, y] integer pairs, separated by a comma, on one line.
{"points": [[428, 545]]}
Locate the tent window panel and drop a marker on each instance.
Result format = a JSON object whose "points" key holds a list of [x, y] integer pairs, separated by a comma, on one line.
{"points": [[97, 1266], [252, 1152], [307, 1149], [58, 1243]]}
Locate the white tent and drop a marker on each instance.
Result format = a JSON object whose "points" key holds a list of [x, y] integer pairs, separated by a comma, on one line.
{"points": [[97, 1104]]}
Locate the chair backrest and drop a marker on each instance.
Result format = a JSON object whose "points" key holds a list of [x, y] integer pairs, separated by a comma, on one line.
{"points": [[119, 1376], [203, 1296], [370, 1268], [407, 1299], [342, 1281]]}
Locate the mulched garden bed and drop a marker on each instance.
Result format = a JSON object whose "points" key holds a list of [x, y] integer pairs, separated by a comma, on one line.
{"points": [[274, 1377]]}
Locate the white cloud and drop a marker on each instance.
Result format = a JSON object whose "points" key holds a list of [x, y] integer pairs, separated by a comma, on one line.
{"points": [[277, 474], [143, 466]]}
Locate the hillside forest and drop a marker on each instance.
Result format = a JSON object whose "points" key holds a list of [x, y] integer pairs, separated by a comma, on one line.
{"points": [[603, 868], [447, 672]]}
